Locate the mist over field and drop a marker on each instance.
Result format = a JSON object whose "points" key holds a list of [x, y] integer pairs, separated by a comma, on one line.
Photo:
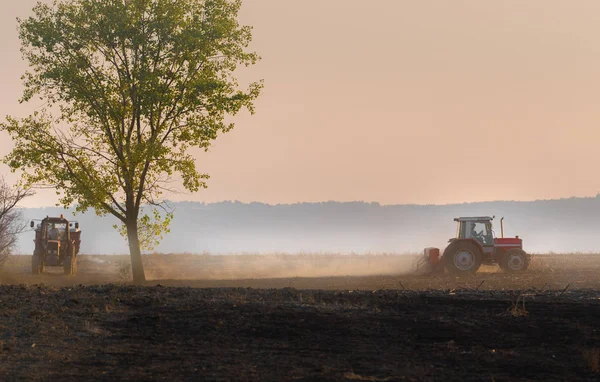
{"points": [[565, 225]]}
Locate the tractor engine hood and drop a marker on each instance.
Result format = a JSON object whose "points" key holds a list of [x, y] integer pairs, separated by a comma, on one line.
{"points": [[508, 242]]}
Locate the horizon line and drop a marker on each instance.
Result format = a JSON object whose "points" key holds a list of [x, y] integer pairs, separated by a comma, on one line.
{"points": [[354, 202]]}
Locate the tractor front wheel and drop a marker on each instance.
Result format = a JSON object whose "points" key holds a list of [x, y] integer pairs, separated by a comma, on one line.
{"points": [[462, 258], [515, 261]]}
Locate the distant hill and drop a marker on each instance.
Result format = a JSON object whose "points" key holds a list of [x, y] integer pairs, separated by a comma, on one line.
{"points": [[565, 225]]}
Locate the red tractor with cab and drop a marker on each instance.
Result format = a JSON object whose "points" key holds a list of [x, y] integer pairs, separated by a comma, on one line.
{"points": [[57, 242], [474, 245]]}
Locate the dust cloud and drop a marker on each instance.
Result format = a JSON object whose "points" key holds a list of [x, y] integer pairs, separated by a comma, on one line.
{"points": [[234, 267], [100, 269]]}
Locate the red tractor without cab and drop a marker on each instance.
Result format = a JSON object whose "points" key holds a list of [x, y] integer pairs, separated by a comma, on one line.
{"points": [[474, 245], [57, 243]]}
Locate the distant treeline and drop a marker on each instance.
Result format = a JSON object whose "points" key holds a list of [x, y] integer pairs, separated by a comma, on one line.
{"points": [[565, 225]]}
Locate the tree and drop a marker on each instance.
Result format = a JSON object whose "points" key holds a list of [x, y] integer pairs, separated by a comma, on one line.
{"points": [[131, 86], [11, 222]]}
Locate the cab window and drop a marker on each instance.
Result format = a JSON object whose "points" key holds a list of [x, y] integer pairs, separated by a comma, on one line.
{"points": [[481, 232]]}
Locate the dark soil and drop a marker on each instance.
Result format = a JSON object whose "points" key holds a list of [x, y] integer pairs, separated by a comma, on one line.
{"points": [[129, 333]]}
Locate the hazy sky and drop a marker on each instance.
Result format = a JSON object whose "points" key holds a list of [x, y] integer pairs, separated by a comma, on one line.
{"points": [[401, 102]]}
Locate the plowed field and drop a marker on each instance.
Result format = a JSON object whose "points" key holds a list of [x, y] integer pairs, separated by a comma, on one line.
{"points": [[369, 322]]}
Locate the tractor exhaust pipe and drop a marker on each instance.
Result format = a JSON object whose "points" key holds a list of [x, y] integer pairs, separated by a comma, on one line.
{"points": [[502, 226]]}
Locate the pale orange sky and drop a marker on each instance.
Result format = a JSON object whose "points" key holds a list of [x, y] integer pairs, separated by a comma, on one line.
{"points": [[400, 102]]}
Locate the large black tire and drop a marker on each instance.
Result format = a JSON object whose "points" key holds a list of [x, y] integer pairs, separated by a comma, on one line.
{"points": [[70, 265], [515, 261], [37, 267], [462, 258]]}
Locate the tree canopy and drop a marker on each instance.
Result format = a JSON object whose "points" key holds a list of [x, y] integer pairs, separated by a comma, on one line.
{"points": [[130, 86]]}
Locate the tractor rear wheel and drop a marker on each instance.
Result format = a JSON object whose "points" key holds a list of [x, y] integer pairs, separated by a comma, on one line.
{"points": [[70, 265], [37, 266], [515, 261], [462, 258]]}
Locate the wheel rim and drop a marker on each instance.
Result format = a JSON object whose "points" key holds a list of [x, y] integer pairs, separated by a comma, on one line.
{"points": [[464, 260], [516, 262]]}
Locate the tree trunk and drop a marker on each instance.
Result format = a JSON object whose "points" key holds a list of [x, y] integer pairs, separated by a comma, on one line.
{"points": [[137, 267]]}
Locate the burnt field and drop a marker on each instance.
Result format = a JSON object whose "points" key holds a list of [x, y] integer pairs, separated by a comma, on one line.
{"points": [[371, 321]]}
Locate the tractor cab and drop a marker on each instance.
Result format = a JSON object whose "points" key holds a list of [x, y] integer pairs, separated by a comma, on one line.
{"points": [[56, 234], [478, 228]]}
